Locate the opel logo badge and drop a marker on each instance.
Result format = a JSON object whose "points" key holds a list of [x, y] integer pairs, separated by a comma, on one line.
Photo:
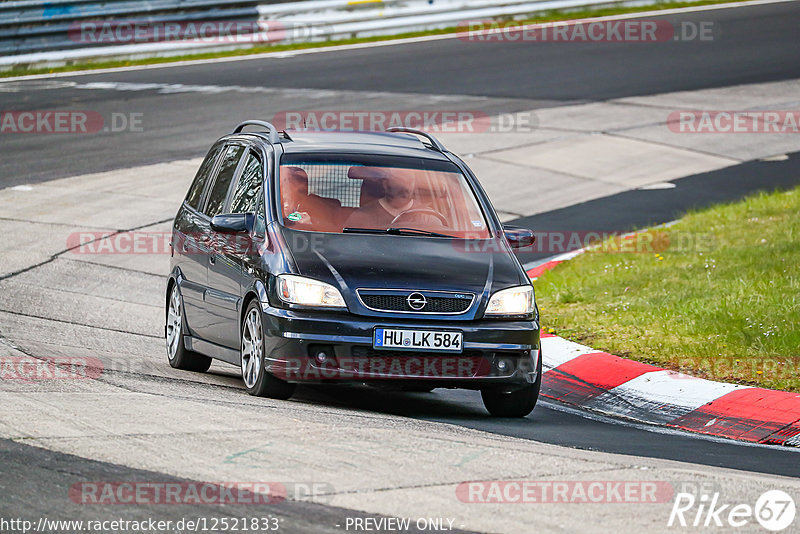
{"points": [[416, 301]]}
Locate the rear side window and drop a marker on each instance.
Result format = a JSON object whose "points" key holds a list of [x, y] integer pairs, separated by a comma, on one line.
{"points": [[201, 178], [216, 199], [245, 195]]}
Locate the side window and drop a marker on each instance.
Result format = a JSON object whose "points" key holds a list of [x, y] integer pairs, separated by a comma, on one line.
{"points": [[216, 199], [201, 178], [247, 190]]}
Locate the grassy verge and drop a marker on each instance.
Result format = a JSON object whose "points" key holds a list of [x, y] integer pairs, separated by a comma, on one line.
{"points": [[551, 16], [717, 295]]}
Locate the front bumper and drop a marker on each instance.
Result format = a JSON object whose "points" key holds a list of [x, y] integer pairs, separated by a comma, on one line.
{"points": [[323, 346]]}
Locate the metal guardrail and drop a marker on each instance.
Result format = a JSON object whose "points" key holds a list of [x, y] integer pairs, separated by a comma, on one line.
{"points": [[34, 26], [37, 33], [395, 16]]}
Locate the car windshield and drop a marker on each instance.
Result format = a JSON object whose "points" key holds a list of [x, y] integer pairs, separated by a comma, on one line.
{"points": [[377, 194]]}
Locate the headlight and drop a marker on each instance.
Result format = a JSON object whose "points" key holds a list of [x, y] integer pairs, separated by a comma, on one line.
{"points": [[511, 301], [307, 292]]}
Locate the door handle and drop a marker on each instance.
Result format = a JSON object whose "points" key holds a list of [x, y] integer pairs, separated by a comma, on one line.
{"points": [[212, 258]]}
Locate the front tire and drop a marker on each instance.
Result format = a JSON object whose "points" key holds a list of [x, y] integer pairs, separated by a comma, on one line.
{"points": [[257, 380], [517, 403], [177, 354]]}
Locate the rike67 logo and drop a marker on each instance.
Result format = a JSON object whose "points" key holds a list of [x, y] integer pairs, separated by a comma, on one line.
{"points": [[774, 510]]}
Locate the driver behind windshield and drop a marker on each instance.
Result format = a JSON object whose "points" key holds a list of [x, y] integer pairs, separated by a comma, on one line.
{"points": [[398, 198]]}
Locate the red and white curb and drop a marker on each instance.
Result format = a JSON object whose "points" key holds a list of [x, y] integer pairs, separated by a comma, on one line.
{"points": [[582, 376], [539, 268]]}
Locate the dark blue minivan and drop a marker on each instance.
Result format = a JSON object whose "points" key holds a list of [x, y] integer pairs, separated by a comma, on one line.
{"points": [[342, 257]]}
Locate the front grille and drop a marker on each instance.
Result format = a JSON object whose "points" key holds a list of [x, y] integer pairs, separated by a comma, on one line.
{"points": [[399, 303]]}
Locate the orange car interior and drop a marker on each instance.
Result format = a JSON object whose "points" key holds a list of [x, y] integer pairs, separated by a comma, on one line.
{"points": [[327, 214]]}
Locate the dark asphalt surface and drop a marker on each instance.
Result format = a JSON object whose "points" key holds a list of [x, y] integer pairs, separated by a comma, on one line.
{"points": [[754, 44], [36, 483], [751, 44], [550, 423]]}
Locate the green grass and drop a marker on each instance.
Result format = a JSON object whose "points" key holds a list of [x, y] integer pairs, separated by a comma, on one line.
{"points": [[717, 295], [550, 16]]}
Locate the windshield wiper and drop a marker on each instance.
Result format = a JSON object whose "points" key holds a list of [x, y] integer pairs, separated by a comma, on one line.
{"points": [[351, 230], [411, 231], [393, 231]]}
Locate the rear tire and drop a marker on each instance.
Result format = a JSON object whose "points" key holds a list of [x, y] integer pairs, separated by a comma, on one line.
{"points": [[177, 354], [517, 403], [257, 380]]}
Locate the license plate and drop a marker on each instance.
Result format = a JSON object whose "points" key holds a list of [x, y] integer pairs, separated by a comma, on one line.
{"points": [[422, 340]]}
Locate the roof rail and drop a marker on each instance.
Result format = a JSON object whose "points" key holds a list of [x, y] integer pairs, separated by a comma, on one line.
{"points": [[435, 142], [274, 138]]}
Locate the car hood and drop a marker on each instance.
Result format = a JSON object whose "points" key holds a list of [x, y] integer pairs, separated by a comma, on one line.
{"points": [[369, 261]]}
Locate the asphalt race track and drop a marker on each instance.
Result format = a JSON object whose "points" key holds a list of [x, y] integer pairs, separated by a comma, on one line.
{"points": [[756, 44], [26, 467], [184, 108]]}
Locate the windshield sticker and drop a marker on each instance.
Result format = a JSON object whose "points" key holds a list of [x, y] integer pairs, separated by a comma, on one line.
{"points": [[296, 216]]}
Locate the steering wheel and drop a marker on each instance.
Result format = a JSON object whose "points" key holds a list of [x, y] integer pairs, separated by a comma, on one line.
{"points": [[416, 211]]}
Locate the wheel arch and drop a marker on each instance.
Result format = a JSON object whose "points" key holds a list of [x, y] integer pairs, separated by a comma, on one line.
{"points": [[256, 292], [175, 278]]}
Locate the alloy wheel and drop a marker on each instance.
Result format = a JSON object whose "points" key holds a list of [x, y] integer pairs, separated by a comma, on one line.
{"points": [[252, 348], [174, 323]]}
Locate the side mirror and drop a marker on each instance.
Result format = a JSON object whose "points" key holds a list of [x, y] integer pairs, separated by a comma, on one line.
{"points": [[233, 223], [519, 237]]}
